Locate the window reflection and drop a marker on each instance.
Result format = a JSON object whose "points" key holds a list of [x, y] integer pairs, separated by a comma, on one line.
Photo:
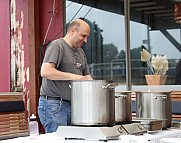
{"points": [[105, 49]]}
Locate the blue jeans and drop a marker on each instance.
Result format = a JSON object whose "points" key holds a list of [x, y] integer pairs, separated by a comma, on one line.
{"points": [[54, 113]]}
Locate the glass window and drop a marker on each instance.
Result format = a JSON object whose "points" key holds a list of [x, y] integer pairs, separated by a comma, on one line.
{"points": [[105, 49]]}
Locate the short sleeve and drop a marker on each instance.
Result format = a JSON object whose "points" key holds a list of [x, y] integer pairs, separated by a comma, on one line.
{"points": [[53, 54]]}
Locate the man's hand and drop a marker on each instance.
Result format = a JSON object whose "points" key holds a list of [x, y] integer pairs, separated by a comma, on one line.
{"points": [[87, 77]]}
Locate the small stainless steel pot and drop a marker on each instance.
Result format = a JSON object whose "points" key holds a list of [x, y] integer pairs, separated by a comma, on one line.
{"points": [[155, 105], [123, 113], [93, 103]]}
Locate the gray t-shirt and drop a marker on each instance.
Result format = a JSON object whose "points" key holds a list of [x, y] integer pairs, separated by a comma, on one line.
{"points": [[67, 59]]}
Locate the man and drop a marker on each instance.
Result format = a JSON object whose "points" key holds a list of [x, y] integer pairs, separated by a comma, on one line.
{"points": [[64, 61]]}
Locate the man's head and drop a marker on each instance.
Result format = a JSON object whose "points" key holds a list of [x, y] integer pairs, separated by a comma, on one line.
{"points": [[77, 33]]}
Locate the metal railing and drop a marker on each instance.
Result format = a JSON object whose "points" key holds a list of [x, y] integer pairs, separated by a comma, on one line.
{"points": [[116, 70]]}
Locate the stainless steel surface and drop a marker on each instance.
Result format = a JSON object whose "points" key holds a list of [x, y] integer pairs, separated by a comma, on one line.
{"points": [[93, 103], [154, 105], [88, 133], [134, 128], [123, 113], [99, 133]]}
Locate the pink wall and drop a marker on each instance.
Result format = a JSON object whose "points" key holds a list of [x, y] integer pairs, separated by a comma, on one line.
{"points": [[22, 48], [4, 46], [14, 38], [14, 43], [18, 26], [46, 9]]}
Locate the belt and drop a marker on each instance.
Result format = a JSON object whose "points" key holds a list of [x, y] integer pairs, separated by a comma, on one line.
{"points": [[53, 98]]}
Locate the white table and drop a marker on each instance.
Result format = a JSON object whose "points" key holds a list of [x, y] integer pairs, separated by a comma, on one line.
{"points": [[151, 138], [145, 138]]}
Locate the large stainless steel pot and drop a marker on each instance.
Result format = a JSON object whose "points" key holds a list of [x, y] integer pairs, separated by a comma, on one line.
{"points": [[93, 103], [123, 113], [155, 105]]}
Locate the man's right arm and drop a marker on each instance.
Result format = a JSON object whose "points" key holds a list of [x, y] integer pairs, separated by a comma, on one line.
{"points": [[49, 71]]}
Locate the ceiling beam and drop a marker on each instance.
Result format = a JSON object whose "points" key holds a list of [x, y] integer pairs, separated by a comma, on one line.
{"points": [[140, 14], [171, 39]]}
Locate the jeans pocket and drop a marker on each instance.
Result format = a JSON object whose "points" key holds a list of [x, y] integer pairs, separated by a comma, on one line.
{"points": [[55, 106]]}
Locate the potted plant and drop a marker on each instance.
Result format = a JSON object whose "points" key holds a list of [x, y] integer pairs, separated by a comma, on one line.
{"points": [[158, 65]]}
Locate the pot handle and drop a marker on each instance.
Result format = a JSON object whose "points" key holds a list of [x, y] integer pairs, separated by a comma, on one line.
{"points": [[141, 126], [120, 130], [121, 96], [109, 85], [160, 97]]}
